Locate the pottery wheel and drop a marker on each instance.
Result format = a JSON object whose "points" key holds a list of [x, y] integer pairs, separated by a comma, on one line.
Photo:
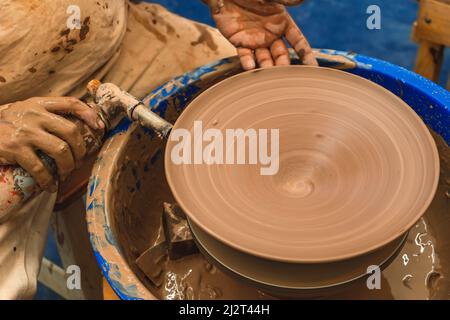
{"points": [[357, 166], [273, 276]]}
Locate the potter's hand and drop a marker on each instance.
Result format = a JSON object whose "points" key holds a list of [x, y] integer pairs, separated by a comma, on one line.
{"points": [[258, 29], [37, 124]]}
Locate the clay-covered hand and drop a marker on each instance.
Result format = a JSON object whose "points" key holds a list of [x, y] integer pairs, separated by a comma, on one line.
{"points": [[258, 28], [38, 124]]}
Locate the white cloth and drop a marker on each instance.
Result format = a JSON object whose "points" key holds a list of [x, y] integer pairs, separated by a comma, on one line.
{"points": [[22, 243]]}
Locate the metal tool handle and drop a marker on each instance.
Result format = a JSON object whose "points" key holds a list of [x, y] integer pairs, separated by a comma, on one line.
{"points": [[114, 103]]}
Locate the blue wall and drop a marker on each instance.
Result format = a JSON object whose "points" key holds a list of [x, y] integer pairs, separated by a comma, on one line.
{"points": [[341, 24]]}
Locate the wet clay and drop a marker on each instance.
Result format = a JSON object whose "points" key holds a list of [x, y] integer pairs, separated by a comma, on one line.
{"points": [[357, 166], [140, 193], [301, 280], [421, 269]]}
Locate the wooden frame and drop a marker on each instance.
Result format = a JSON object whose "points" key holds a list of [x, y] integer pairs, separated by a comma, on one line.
{"points": [[432, 31]]}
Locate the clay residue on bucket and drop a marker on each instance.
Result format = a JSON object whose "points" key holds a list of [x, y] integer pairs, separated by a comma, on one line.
{"points": [[140, 189], [420, 271]]}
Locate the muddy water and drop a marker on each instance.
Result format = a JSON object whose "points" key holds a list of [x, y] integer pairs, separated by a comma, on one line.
{"points": [[421, 270]]}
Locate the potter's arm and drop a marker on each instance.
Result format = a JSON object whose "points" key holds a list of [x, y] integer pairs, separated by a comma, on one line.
{"points": [[38, 146], [258, 29], [110, 105], [215, 5]]}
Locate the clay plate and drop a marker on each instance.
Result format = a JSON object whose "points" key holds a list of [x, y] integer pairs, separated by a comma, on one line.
{"points": [[284, 277], [357, 166]]}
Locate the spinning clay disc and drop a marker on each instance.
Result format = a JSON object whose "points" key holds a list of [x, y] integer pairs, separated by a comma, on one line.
{"points": [[357, 167], [285, 277]]}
